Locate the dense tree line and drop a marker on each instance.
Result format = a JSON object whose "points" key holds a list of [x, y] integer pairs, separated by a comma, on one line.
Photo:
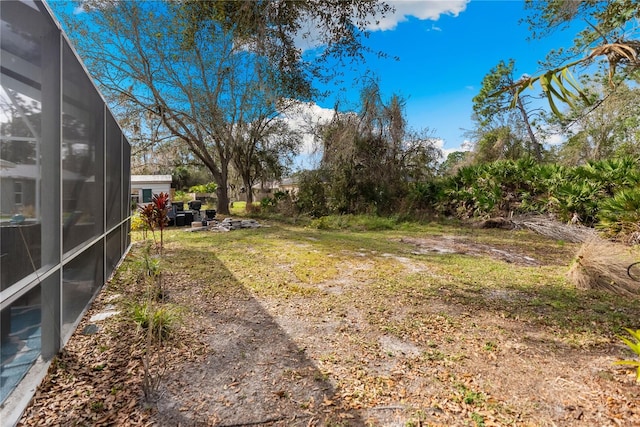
{"points": [[589, 174]]}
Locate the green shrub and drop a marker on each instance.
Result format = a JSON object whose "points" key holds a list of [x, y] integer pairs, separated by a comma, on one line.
{"points": [[311, 196], [181, 196], [210, 187], [579, 197], [268, 203], [137, 223], [619, 216], [332, 222], [424, 197]]}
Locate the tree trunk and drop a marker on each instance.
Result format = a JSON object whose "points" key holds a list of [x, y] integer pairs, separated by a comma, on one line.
{"points": [[223, 199], [220, 176], [249, 198], [537, 150], [247, 182]]}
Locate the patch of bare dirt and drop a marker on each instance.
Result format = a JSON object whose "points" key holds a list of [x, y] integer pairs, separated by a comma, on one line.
{"points": [[460, 245], [444, 372], [252, 373]]}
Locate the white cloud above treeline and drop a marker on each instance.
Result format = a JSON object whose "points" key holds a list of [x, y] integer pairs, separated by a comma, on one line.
{"points": [[420, 9], [305, 118], [424, 10]]}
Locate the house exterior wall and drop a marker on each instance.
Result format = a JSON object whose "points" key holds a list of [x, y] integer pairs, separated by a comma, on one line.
{"points": [[152, 184], [8, 196], [71, 229]]}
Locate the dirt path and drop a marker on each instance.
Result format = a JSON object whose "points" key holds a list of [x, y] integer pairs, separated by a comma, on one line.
{"points": [[253, 372]]}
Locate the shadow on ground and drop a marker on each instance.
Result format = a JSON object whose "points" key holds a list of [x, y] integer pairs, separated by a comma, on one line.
{"points": [[253, 373]]}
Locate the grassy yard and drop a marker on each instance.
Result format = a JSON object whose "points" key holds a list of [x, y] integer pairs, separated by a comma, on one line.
{"points": [[350, 270], [407, 325]]}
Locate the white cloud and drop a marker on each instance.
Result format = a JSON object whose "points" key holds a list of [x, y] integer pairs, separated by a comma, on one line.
{"points": [[305, 118], [551, 135], [423, 10], [554, 139], [465, 146], [445, 151]]}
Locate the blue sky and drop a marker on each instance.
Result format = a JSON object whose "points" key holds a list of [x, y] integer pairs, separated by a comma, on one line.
{"points": [[444, 58], [446, 47]]}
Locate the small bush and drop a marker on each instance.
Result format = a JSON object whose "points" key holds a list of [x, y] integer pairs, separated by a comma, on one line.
{"points": [[602, 265], [334, 222], [210, 187], [268, 203], [620, 215], [161, 318], [137, 223], [181, 196], [311, 196]]}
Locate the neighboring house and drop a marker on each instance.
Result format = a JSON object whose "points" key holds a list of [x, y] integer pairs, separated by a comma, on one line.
{"points": [[267, 189], [18, 184], [143, 187], [288, 185]]}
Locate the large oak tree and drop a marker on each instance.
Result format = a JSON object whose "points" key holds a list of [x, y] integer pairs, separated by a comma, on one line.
{"points": [[217, 73]]}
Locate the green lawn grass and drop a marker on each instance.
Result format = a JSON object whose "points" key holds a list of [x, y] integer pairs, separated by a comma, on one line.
{"points": [[374, 267]]}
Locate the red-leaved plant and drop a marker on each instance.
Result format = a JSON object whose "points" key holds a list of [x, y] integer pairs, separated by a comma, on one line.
{"points": [[147, 214], [155, 215], [160, 204], [150, 315]]}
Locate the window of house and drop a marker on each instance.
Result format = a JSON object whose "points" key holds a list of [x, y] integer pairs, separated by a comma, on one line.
{"points": [[17, 191], [147, 195]]}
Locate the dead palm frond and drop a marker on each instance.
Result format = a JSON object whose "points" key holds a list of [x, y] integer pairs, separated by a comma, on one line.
{"points": [[621, 52], [602, 265]]}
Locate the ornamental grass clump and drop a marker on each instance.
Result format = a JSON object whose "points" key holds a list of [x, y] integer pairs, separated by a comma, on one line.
{"points": [[602, 265], [160, 319]]}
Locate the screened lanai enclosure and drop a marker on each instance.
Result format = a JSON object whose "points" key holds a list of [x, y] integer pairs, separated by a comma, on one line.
{"points": [[64, 195]]}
